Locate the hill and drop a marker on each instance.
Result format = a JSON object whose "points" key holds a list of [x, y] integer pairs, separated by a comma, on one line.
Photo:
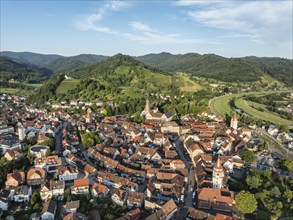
{"points": [[31, 58], [66, 64], [247, 69], [279, 68], [118, 78], [11, 69]]}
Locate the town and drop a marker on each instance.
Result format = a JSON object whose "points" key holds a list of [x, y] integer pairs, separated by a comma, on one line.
{"points": [[56, 165]]}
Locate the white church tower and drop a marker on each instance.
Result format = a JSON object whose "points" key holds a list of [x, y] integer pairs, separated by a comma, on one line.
{"points": [[218, 174], [21, 132], [234, 122]]}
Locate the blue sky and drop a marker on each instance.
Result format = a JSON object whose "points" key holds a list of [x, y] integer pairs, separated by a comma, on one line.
{"points": [[228, 28]]}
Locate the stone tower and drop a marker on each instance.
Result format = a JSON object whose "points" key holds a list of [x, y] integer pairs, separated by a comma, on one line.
{"points": [[88, 118], [218, 174], [21, 132], [234, 122], [147, 108]]}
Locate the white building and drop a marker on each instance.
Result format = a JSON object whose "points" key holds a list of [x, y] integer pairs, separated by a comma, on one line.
{"points": [[234, 122], [218, 175]]}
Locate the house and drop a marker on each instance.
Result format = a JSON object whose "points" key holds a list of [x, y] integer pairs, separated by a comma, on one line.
{"points": [[119, 197], [67, 173], [99, 190], [71, 206], [167, 211], [15, 178], [170, 127], [13, 154], [39, 151], [22, 194], [52, 189], [36, 176], [49, 210], [216, 199], [75, 216], [89, 170], [132, 215], [4, 199], [195, 214], [50, 163], [80, 186], [135, 199]]}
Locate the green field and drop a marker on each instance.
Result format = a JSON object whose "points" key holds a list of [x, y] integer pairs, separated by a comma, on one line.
{"points": [[180, 80], [67, 85], [263, 115], [220, 105], [11, 91]]}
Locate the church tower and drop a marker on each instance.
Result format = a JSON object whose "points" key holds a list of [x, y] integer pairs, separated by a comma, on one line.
{"points": [[88, 118], [218, 174], [234, 122], [21, 132], [147, 108]]}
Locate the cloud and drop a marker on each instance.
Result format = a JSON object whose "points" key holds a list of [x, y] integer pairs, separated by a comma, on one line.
{"points": [[194, 2], [141, 27], [262, 21], [147, 35], [91, 21]]}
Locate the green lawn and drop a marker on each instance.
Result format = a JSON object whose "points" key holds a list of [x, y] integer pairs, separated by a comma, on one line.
{"points": [[9, 91], [263, 115], [67, 85], [220, 105]]}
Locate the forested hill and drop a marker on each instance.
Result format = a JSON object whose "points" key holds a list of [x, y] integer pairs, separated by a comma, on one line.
{"points": [[66, 64], [226, 69], [109, 66], [10, 69], [31, 58], [117, 78], [279, 68]]}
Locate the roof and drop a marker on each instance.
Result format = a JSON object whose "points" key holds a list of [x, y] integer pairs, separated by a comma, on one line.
{"points": [[75, 216], [171, 113], [72, 204], [39, 171], [216, 194], [169, 207], [218, 164], [49, 206], [81, 182]]}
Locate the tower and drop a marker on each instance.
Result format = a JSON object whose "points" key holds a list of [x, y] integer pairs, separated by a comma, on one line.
{"points": [[234, 122], [218, 174], [147, 107], [21, 132], [88, 118]]}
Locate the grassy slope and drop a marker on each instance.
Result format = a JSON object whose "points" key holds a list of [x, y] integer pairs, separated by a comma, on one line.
{"points": [[221, 106], [67, 85], [265, 115]]}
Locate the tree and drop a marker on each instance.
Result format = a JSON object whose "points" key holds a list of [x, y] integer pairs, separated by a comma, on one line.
{"points": [[246, 202], [287, 164], [89, 139], [253, 181], [248, 156]]}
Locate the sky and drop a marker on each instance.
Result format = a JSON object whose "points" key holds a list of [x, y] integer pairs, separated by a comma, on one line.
{"points": [[230, 28]]}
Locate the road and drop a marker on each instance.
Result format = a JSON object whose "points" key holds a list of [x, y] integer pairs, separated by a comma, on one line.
{"points": [[179, 146], [58, 138], [277, 145], [191, 179]]}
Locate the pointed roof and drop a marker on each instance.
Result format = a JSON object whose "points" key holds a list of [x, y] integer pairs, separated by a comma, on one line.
{"points": [[234, 118], [218, 164]]}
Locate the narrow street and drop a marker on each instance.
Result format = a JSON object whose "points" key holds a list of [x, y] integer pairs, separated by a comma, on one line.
{"points": [[191, 179]]}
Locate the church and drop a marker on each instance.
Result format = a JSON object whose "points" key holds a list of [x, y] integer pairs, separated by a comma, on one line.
{"points": [[156, 115]]}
